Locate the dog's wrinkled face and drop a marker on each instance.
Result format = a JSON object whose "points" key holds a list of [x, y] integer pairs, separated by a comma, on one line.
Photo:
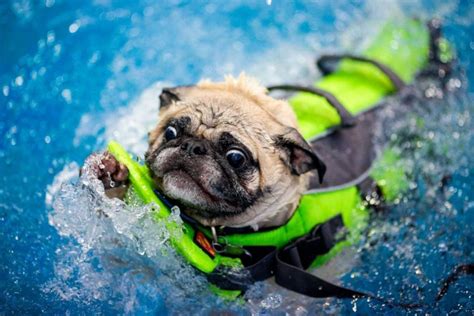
{"points": [[229, 154]]}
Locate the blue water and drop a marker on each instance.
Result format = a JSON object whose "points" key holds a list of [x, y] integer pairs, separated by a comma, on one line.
{"points": [[68, 69]]}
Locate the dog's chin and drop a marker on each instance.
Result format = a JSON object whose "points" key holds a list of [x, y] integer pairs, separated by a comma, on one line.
{"points": [[196, 199]]}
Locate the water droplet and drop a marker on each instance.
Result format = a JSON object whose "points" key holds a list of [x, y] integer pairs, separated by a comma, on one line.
{"points": [[354, 307], [453, 84], [57, 50], [301, 311], [19, 81], [94, 58], [42, 71], [443, 247], [418, 270], [272, 301], [74, 27], [50, 37], [175, 210], [67, 95], [6, 90]]}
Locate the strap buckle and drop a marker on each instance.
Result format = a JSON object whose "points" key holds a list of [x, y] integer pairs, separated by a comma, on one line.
{"points": [[226, 248], [218, 247]]}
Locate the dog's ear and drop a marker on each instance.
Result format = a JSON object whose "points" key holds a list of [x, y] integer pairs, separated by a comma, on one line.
{"points": [[171, 95], [168, 96], [297, 153]]}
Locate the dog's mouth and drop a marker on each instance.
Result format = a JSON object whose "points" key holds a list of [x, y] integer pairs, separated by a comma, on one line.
{"points": [[179, 185], [195, 197]]}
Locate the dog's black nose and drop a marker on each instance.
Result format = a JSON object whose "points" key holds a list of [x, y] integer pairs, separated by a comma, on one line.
{"points": [[194, 147]]}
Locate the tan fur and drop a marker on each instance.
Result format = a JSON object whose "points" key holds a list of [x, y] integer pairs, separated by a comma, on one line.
{"points": [[241, 107]]}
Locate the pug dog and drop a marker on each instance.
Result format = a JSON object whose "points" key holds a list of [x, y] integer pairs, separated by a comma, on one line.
{"points": [[226, 153]]}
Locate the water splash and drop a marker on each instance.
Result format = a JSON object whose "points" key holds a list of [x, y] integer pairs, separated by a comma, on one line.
{"points": [[115, 248]]}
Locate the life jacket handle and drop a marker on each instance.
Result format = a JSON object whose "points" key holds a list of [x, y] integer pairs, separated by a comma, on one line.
{"points": [[347, 119], [324, 65]]}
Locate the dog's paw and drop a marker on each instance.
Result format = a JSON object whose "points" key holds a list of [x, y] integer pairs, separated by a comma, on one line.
{"points": [[107, 169]]}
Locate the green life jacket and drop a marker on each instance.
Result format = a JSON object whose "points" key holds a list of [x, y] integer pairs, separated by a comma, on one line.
{"points": [[358, 85]]}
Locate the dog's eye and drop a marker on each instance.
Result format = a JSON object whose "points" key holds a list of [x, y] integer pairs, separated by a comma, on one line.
{"points": [[170, 133], [235, 157]]}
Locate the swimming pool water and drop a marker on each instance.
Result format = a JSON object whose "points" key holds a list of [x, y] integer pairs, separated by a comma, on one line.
{"points": [[75, 74]]}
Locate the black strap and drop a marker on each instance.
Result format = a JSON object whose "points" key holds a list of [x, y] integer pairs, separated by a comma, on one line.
{"points": [[293, 259], [228, 278], [324, 62], [463, 269], [264, 261], [288, 265], [347, 120], [289, 274]]}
